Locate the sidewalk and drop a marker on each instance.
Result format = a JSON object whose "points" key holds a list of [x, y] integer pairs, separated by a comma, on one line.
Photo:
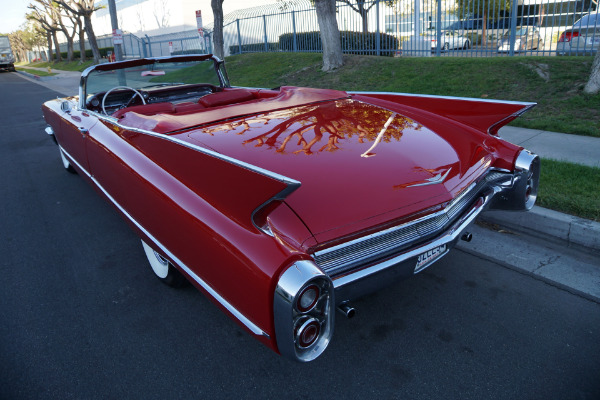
{"points": [[539, 222], [64, 82], [559, 146]]}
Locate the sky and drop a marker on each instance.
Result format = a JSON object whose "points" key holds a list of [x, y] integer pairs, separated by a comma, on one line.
{"points": [[13, 14], [13, 11]]}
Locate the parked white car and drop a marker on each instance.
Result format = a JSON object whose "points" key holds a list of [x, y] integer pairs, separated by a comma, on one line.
{"points": [[583, 38], [451, 39]]}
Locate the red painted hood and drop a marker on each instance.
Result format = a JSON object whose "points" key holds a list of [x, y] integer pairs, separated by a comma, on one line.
{"points": [[360, 165]]}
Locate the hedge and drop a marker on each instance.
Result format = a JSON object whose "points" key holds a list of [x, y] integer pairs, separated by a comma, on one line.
{"points": [[253, 48], [190, 51], [352, 42], [88, 52]]}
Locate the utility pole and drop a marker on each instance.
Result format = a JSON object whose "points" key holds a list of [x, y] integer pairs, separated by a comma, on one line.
{"points": [[114, 22]]}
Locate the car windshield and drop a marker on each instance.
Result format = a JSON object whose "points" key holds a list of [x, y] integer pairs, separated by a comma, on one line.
{"points": [[157, 74], [588, 20], [4, 44]]}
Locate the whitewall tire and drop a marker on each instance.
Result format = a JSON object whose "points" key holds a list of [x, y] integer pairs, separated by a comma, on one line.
{"points": [[163, 269]]}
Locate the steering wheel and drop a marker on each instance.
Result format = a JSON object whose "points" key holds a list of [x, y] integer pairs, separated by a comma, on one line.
{"points": [[126, 104]]}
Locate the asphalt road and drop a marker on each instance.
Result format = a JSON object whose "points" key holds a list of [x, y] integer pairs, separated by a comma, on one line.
{"points": [[82, 316]]}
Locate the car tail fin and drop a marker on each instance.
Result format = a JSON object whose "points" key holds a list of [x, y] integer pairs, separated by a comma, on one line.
{"points": [[482, 114], [243, 192]]}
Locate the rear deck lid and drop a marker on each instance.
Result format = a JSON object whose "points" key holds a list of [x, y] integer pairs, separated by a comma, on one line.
{"points": [[360, 165]]}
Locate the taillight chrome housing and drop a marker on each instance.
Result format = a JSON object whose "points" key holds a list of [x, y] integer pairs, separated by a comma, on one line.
{"points": [[523, 193], [303, 311]]}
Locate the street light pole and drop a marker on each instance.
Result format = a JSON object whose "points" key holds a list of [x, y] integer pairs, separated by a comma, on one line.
{"points": [[114, 22]]}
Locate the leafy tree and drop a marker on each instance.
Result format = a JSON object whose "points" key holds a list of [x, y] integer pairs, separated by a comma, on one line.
{"points": [[363, 7], [49, 25], [84, 9], [56, 12]]}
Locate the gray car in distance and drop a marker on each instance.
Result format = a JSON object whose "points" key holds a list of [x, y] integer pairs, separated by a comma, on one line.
{"points": [[583, 38]]}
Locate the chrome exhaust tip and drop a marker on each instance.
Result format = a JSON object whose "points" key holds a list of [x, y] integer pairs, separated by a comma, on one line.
{"points": [[347, 310]]}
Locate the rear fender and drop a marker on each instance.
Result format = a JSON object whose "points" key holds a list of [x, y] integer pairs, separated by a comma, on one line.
{"points": [[243, 192]]}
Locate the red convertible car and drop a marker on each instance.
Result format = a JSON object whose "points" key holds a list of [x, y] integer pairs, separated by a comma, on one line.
{"points": [[283, 205]]}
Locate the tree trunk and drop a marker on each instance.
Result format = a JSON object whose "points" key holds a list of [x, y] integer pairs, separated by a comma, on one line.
{"points": [[49, 38], [484, 30], [217, 7], [81, 39], [364, 15], [89, 30], [330, 35], [69, 48], [593, 84], [56, 46]]}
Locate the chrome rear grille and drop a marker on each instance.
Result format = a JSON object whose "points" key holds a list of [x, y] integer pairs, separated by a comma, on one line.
{"points": [[346, 256]]}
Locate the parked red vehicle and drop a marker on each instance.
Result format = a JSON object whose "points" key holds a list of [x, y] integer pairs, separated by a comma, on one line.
{"points": [[284, 205]]}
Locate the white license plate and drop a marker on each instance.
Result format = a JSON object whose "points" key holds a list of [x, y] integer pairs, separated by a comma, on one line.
{"points": [[429, 256]]}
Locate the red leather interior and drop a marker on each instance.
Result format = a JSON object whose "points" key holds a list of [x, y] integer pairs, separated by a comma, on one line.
{"points": [[286, 97], [226, 97], [188, 107], [146, 109]]}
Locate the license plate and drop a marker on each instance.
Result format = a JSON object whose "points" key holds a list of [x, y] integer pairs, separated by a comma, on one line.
{"points": [[429, 256]]}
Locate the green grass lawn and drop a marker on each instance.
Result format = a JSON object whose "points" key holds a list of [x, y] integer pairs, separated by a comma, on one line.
{"points": [[63, 65], [570, 188], [555, 83], [35, 71]]}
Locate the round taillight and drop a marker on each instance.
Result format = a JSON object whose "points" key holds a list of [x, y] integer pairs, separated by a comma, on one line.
{"points": [[308, 298], [308, 333]]}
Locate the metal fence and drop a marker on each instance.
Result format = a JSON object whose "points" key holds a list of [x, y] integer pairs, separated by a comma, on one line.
{"points": [[133, 46], [471, 28]]}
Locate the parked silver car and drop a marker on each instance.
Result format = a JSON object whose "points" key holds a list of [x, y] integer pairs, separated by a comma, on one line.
{"points": [[526, 38], [451, 39], [583, 38]]}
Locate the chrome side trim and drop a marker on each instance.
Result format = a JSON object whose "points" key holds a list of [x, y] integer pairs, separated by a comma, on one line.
{"points": [[448, 237], [450, 98], [241, 317]]}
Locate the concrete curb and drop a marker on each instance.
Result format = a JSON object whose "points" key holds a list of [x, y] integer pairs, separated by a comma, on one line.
{"points": [[39, 78], [545, 223]]}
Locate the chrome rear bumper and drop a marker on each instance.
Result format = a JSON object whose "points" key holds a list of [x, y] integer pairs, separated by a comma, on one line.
{"points": [[403, 265]]}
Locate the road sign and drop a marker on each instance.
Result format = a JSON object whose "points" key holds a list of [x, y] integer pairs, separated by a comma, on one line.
{"points": [[117, 36], [199, 23]]}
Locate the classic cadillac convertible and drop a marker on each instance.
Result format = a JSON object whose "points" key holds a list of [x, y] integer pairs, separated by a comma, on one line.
{"points": [[286, 204]]}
